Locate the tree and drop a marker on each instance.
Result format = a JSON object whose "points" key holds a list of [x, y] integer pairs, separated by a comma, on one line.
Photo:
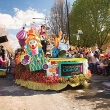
{"points": [[58, 17], [2, 30], [5, 44], [93, 18]]}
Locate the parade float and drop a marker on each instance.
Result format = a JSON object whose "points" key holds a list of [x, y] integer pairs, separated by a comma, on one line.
{"points": [[34, 70]]}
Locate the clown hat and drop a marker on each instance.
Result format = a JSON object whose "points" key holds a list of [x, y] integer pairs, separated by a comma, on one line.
{"points": [[31, 32]]}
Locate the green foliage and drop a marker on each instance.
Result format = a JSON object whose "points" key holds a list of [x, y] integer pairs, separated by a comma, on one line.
{"points": [[62, 54], [93, 18]]}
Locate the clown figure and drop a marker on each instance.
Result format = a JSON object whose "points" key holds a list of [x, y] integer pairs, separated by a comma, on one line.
{"points": [[33, 45], [34, 49]]}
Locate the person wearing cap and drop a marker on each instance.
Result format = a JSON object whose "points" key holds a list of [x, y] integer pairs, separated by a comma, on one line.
{"points": [[102, 67]]}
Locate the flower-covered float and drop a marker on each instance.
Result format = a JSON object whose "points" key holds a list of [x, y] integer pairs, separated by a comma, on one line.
{"points": [[35, 71]]}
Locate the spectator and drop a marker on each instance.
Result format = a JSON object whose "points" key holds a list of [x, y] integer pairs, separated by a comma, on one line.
{"points": [[102, 67], [2, 52], [95, 62], [108, 68], [90, 60], [81, 56], [101, 58], [108, 51]]}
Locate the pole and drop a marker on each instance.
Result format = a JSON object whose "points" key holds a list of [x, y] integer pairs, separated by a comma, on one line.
{"points": [[78, 39], [78, 43], [68, 27]]}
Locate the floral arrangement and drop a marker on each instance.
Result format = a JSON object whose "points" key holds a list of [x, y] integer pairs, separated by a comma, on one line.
{"points": [[79, 78], [22, 72], [26, 60]]}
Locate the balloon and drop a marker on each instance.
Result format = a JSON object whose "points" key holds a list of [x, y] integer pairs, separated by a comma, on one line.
{"points": [[21, 36]]}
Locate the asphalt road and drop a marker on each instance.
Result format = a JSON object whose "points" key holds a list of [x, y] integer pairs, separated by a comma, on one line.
{"points": [[95, 97]]}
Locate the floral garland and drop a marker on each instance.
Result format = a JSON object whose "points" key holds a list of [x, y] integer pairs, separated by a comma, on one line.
{"points": [[22, 72]]}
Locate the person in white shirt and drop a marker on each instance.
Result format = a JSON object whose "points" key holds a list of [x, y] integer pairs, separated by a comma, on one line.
{"points": [[95, 61], [90, 61], [108, 51]]}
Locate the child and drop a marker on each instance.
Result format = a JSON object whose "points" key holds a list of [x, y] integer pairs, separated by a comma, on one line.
{"points": [[102, 67]]}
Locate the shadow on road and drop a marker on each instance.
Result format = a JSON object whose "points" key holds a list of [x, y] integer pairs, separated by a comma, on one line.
{"points": [[9, 88], [101, 98]]}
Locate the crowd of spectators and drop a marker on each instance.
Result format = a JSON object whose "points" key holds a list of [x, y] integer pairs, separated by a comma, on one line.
{"points": [[98, 61]]}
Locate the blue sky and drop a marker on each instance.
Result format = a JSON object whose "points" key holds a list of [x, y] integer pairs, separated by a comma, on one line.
{"points": [[15, 13], [6, 6]]}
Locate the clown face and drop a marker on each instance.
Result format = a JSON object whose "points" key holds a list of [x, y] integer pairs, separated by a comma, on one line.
{"points": [[33, 44]]}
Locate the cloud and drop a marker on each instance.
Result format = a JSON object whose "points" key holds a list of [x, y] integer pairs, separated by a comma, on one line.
{"points": [[13, 24], [44, 10], [20, 18], [13, 41]]}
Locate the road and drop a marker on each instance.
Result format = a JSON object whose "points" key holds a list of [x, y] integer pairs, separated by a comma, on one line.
{"points": [[95, 97]]}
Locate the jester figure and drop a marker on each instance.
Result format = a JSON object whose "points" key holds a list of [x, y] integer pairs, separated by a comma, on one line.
{"points": [[34, 49]]}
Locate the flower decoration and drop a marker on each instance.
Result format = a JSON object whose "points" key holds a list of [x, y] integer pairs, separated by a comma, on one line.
{"points": [[45, 66], [38, 59], [26, 60]]}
